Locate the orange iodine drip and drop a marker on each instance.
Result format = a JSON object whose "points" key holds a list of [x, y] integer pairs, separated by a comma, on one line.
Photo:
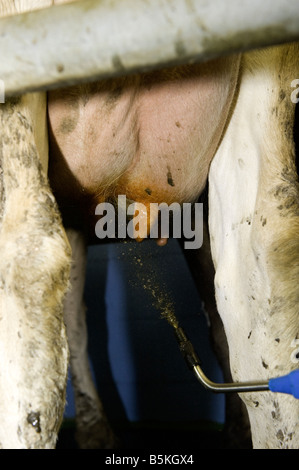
{"points": [[145, 216]]}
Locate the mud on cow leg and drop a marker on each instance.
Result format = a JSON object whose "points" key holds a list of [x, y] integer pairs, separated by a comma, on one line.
{"points": [[93, 430], [254, 228], [34, 270]]}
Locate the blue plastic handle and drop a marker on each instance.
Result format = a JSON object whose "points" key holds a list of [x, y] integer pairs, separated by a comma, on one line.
{"points": [[286, 384]]}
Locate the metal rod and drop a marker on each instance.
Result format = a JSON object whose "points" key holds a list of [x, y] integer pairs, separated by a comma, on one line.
{"points": [[92, 39], [236, 387], [193, 363]]}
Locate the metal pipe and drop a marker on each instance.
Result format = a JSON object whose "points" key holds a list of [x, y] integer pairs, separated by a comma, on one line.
{"points": [[237, 387], [193, 363], [92, 39], [286, 384]]}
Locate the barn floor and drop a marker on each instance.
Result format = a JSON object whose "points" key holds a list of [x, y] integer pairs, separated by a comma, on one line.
{"points": [[148, 436]]}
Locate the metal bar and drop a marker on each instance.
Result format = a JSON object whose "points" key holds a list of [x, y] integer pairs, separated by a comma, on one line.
{"points": [[193, 363], [92, 39], [236, 387]]}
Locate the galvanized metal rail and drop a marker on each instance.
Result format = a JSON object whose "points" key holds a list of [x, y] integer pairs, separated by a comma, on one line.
{"points": [[94, 39]]}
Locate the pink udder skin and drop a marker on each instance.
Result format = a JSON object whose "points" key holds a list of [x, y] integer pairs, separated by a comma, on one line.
{"points": [[150, 136]]}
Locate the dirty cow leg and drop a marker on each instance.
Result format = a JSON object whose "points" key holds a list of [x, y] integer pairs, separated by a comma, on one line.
{"points": [[34, 269], [254, 228], [93, 429], [236, 433]]}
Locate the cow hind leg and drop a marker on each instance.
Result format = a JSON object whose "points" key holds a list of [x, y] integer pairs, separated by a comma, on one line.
{"points": [[34, 269], [254, 228], [92, 428]]}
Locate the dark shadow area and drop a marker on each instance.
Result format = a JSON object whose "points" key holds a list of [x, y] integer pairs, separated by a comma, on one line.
{"points": [[95, 297], [150, 396], [178, 437]]}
